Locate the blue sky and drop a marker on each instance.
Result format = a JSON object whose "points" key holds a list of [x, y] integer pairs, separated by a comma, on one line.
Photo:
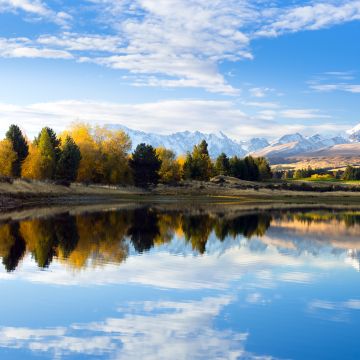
{"points": [[247, 68]]}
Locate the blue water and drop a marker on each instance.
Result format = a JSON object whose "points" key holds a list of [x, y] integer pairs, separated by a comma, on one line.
{"points": [[146, 283]]}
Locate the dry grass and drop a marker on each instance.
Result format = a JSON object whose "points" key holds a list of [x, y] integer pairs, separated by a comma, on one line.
{"points": [[231, 191]]}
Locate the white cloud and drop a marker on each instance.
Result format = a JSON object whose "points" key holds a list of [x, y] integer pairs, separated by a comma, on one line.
{"points": [[179, 43], [311, 17], [36, 7], [22, 48], [150, 330], [262, 104], [303, 114], [352, 88], [163, 117], [259, 92]]}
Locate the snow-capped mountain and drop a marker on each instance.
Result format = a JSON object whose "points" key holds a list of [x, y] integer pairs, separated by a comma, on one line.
{"points": [[286, 146], [354, 134], [254, 144], [295, 144], [182, 142]]}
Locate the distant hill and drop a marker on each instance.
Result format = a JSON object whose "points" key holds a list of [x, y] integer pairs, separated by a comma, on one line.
{"points": [[335, 157]]}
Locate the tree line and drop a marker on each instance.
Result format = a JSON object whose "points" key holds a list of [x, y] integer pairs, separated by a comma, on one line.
{"points": [[97, 155], [350, 173]]}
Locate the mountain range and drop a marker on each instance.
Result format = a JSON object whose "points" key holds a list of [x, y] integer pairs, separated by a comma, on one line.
{"points": [[287, 149]]}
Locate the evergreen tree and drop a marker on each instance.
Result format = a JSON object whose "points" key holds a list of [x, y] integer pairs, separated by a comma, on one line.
{"points": [[238, 168], [263, 165], [55, 141], [145, 165], [199, 163], [351, 173], [222, 165], [20, 146], [188, 167], [252, 169], [48, 157], [69, 161]]}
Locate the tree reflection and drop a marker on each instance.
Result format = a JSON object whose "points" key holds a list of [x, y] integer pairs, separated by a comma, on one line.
{"points": [[12, 246], [66, 233], [144, 229], [197, 229], [103, 237]]}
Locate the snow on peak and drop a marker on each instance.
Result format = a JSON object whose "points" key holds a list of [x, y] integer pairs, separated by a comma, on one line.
{"points": [[354, 130]]}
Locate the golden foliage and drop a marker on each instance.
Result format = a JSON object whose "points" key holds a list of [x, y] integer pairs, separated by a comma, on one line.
{"points": [[170, 170], [7, 157], [103, 154], [32, 166]]}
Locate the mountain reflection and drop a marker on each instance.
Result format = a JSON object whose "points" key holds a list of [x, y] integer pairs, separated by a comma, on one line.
{"points": [[106, 237]]}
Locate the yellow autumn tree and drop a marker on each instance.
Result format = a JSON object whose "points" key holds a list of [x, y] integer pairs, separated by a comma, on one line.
{"points": [[91, 168], [31, 168], [170, 171], [104, 154], [7, 157], [115, 147], [41, 161]]}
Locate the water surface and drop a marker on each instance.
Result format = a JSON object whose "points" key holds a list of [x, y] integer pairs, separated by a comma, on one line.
{"points": [[149, 283]]}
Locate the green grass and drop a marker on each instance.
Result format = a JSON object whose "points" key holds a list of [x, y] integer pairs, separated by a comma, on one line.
{"points": [[333, 180]]}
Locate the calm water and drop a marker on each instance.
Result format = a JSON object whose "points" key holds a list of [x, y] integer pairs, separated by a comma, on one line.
{"points": [[152, 284]]}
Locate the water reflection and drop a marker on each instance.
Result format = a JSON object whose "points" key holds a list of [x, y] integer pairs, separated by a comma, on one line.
{"points": [[149, 283], [105, 237]]}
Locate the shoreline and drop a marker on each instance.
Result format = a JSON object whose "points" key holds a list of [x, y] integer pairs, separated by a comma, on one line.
{"points": [[24, 195]]}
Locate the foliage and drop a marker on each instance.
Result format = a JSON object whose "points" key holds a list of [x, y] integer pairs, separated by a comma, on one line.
{"points": [[170, 170], [91, 164], [264, 168], [20, 146], [41, 162], [48, 155], [115, 147], [55, 141], [351, 173], [69, 161], [303, 173], [104, 154], [238, 168], [321, 177], [249, 168], [198, 165], [145, 165], [222, 165], [7, 158]]}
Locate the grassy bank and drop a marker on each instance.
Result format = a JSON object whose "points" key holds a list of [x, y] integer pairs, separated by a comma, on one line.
{"points": [[24, 194]]}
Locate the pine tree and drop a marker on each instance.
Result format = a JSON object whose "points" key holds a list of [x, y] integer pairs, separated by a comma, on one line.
{"points": [[238, 168], [55, 141], [222, 165], [188, 167], [48, 157], [20, 146], [69, 161], [145, 165], [252, 169], [263, 165], [201, 167]]}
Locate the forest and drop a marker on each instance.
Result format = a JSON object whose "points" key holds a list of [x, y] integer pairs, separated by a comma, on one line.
{"points": [[96, 155]]}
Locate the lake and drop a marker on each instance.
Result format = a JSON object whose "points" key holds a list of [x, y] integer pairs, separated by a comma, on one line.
{"points": [[154, 282]]}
